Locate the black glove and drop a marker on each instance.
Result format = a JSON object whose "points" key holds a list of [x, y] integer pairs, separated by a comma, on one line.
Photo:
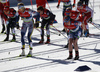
{"points": [[36, 25], [17, 25], [73, 5], [90, 20], [86, 33], [67, 33], [58, 6]]}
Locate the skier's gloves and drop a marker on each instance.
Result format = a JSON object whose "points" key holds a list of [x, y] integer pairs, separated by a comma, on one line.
{"points": [[86, 33], [73, 5], [67, 33], [7, 22], [17, 25], [58, 6], [36, 25]]}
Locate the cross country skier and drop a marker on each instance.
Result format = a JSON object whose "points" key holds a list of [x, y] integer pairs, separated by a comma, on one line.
{"points": [[74, 34], [26, 15], [47, 19], [10, 22], [73, 15], [66, 4], [88, 13], [4, 3]]}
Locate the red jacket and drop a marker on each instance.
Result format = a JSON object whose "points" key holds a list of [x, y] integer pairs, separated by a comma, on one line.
{"points": [[41, 3]]}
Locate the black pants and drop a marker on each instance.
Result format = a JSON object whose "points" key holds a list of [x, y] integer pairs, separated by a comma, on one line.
{"points": [[85, 1], [11, 24], [47, 24]]}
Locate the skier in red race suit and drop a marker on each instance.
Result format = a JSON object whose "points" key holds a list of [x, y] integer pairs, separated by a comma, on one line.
{"points": [[88, 14], [74, 34], [4, 3]]}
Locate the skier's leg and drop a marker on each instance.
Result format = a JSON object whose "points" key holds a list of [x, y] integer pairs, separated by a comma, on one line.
{"points": [[42, 31], [70, 49], [8, 31], [30, 31], [23, 32], [3, 26], [13, 25], [48, 32]]}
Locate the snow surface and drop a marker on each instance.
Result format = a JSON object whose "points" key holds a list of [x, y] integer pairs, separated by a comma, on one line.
{"points": [[50, 57]]}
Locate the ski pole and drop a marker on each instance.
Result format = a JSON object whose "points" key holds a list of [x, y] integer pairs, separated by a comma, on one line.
{"points": [[48, 4], [60, 32], [31, 4], [53, 32], [40, 31], [95, 25]]}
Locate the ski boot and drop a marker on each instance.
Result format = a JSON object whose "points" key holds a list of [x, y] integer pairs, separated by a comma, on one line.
{"points": [[47, 42], [29, 54], [70, 57], [41, 41], [48, 39], [76, 57], [23, 52], [13, 39], [7, 38]]}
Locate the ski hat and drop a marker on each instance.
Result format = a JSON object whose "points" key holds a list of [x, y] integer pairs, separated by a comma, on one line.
{"points": [[79, 3]]}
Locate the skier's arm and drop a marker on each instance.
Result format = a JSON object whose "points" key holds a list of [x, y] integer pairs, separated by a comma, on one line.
{"points": [[17, 17], [17, 20], [74, 3], [58, 3]]}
